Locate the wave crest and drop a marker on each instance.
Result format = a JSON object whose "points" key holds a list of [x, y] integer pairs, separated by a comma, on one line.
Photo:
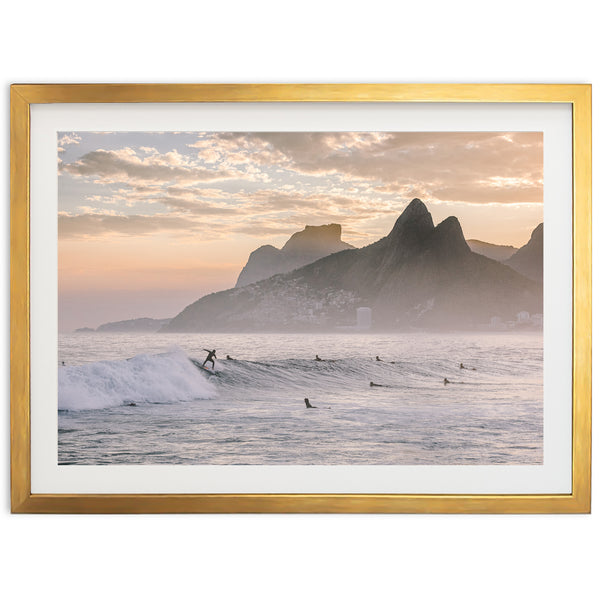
{"points": [[161, 378]]}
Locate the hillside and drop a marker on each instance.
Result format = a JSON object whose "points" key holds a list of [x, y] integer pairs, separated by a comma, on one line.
{"points": [[141, 325], [419, 275], [493, 251], [529, 260]]}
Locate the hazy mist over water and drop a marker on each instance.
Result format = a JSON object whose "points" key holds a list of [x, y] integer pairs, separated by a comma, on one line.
{"points": [[138, 399]]}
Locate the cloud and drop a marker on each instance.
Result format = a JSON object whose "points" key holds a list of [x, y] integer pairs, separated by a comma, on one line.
{"points": [[125, 166], [262, 184], [478, 166], [91, 225], [68, 139], [418, 159], [198, 207]]}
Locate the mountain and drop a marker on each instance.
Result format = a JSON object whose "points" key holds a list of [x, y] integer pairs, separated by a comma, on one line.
{"points": [[529, 260], [419, 275], [142, 325], [493, 251], [302, 248]]}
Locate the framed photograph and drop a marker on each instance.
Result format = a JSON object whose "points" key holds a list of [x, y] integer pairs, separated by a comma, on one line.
{"points": [[301, 298]]}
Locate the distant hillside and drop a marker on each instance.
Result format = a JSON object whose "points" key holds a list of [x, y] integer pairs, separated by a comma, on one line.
{"points": [[529, 260], [143, 325], [419, 275], [302, 248], [493, 251]]}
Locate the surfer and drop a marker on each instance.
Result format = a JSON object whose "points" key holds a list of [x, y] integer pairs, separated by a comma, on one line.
{"points": [[309, 405], [446, 382], [468, 368], [378, 359], [228, 357], [318, 359], [375, 384], [212, 354]]}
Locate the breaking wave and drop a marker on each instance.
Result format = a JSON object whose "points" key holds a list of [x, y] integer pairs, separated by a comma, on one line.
{"points": [[160, 378], [174, 377]]}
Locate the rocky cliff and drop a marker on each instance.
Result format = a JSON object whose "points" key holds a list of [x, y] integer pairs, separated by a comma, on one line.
{"points": [[302, 248]]}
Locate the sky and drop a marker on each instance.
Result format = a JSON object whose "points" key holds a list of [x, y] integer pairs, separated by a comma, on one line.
{"points": [[148, 222]]}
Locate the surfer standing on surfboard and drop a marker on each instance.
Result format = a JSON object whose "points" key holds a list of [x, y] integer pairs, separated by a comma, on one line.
{"points": [[212, 354]]}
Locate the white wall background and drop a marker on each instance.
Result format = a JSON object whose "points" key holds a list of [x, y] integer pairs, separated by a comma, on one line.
{"points": [[362, 556]]}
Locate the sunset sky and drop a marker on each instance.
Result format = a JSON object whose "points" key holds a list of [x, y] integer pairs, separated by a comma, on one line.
{"points": [[149, 222]]}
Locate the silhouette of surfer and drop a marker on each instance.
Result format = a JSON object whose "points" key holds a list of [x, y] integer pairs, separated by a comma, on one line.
{"points": [[318, 359], [309, 405], [468, 368], [375, 384], [228, 357], [378, 359], [212, 354], [446, 382]]}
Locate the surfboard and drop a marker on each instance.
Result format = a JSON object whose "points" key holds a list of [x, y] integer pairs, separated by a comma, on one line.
{"points": [[199, 365]]}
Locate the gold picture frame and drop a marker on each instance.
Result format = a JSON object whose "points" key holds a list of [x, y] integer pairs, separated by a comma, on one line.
{"points": [[24, 501]]}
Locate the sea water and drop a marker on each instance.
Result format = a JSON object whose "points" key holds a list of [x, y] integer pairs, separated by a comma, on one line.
{"points": [[141, 399]]}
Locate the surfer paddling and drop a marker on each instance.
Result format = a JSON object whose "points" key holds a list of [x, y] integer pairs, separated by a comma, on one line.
{"points": [[447, 381], [467, 368], [319, 359], [212, 354], [309, 405]]}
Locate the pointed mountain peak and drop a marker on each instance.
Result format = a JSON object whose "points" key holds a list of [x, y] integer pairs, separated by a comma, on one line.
{"points": [[415, 207], [451, 225], [449, 237], [414, 223]]}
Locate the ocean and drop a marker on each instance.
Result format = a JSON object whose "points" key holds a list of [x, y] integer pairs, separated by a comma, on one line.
{"points": [[141, 399]]}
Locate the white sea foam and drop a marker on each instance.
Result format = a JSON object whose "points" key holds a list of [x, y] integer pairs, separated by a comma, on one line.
{"points": [[162, 378]]}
